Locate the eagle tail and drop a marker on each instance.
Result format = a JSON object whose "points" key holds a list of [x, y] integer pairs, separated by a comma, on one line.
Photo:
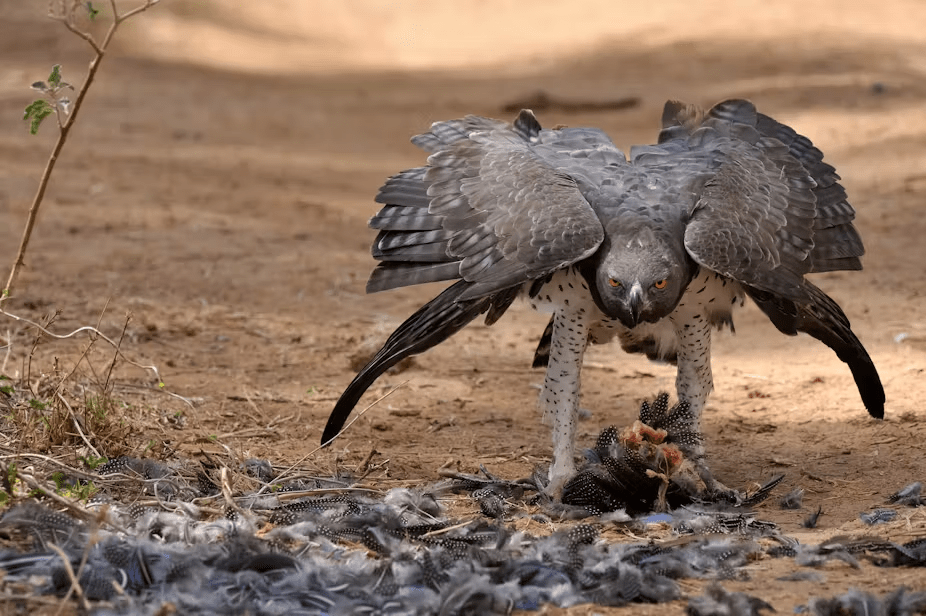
{"points": [[542, 354], [433, 323], [822, 318]]}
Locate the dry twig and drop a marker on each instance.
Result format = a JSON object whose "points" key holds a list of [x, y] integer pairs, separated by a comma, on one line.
{"points": [[77, 426], [280, 477], [75, 584], [75, 509], [97, 332]]}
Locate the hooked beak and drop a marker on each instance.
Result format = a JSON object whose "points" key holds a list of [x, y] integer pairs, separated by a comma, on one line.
{"points": [[635, 303]]}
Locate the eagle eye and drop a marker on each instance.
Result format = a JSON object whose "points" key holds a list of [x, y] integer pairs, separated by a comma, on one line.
{"points": [[661, 284], [614, 283]]}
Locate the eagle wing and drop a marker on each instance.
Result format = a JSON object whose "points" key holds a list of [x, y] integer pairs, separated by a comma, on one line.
{"points": [[765, 209], [488, 209], [492, 210]]}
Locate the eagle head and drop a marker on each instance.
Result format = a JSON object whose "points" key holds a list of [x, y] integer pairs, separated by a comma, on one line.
{"points": [[638, 277]]}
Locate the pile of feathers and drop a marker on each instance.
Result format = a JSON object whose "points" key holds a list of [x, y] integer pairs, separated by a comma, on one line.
{"points": [[350, 552]]}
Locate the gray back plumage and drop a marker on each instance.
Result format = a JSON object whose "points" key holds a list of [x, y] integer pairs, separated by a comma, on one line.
{"points": [[836, 243]]}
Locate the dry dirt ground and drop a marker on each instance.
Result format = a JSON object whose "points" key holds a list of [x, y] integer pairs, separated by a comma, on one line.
{"points": [[218, 185]]}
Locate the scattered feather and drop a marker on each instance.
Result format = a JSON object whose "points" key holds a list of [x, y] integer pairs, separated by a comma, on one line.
{"points": [[812, 520], [900, 602], [716, 601], [878, 516], [793, 499], [908, 495]]}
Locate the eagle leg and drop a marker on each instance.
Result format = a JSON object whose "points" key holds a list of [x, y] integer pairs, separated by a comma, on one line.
{"points": [[559, 398], [694, 382]]}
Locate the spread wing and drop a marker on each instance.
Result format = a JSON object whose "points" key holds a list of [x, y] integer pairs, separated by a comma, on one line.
{"points": [[487, 209], [764, 210]]}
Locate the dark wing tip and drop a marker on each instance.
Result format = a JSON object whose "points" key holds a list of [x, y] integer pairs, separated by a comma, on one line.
{"points": [[527, 125], [869, 387], [735, 110], [341, 412], [822, 318], [433, 323], [671, 112], [544, 346]]}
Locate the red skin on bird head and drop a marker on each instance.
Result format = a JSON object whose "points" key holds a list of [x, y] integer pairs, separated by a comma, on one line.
{"points": [[653, 435], [673, 455], [639, 433]]}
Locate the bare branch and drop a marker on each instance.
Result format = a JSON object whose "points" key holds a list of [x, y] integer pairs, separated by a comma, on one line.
{"points": [[9, 349], [75, 585], [69, 24], [85, 328], [112, 365], [71, 470], [48, 492], [77, 426], [120, 18]]}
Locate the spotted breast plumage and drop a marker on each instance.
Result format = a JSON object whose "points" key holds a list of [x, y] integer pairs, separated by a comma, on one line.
{"points": [[655, 250]]}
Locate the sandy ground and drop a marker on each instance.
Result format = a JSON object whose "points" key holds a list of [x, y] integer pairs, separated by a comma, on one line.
{"points": [[218, 183]]}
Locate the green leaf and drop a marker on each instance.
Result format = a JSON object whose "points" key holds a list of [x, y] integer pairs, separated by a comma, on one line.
{"points": [[92, 11], [55, 78], [37, 111], [93, 462]]}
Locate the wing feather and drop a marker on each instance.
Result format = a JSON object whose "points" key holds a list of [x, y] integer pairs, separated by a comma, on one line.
{"points": [[487, 208], [837, 244], [767, 210], [753, 221]]}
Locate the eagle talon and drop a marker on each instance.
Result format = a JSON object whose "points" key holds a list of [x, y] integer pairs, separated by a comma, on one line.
{"points": [[721, 493], [714, 490]]}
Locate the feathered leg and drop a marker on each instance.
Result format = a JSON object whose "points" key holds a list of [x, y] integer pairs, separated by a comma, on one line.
{"points": [[694, 380], [559, 399]]}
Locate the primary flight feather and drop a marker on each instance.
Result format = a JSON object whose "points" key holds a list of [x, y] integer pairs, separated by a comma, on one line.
{"points": [[655, 250]]}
